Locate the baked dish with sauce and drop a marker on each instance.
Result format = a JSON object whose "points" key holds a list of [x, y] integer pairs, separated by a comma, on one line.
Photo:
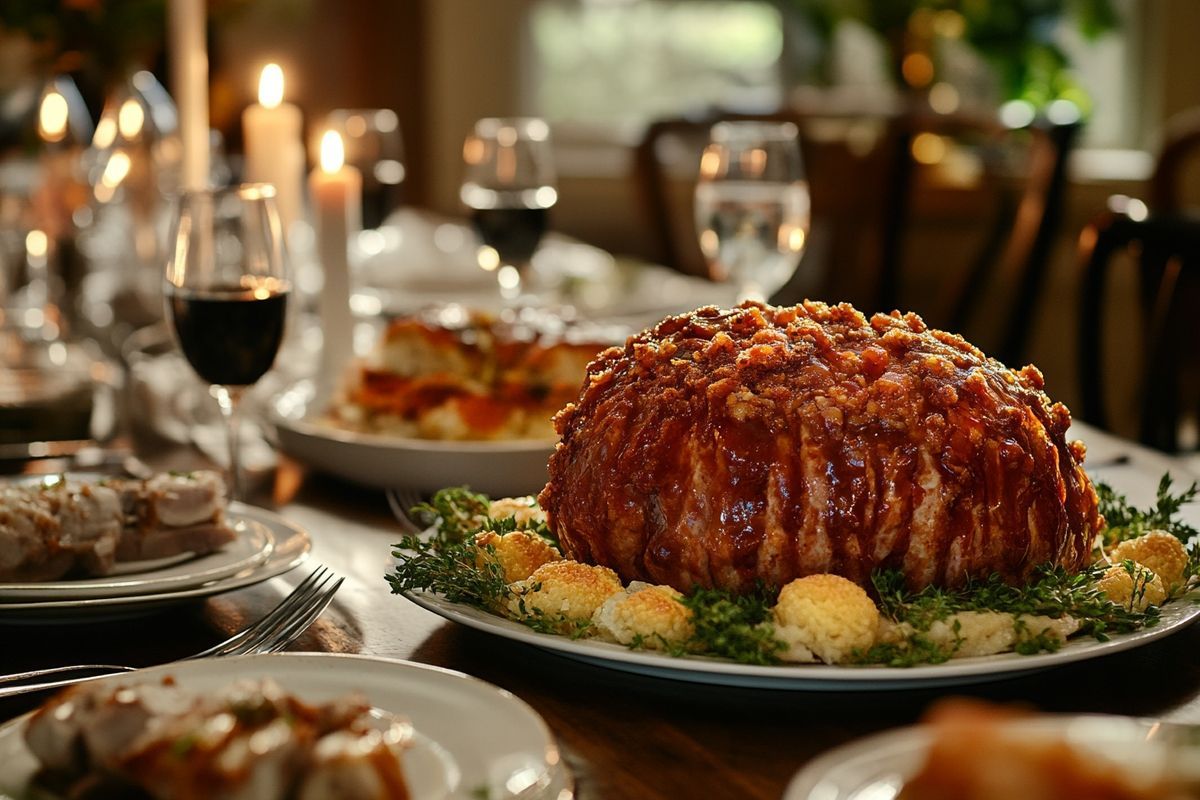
{"points": [[806, 485], [458, 375]]}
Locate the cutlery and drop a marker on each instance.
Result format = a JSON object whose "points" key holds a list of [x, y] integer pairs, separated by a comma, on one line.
{"points": [[275, 631]]}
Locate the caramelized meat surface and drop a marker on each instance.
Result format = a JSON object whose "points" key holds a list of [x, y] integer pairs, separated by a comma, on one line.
{"points": [[726, 447]]}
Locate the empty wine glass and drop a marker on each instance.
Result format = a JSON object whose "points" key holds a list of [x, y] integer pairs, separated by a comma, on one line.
{"points": [[509, 186], [226, 293], [752, 206]]}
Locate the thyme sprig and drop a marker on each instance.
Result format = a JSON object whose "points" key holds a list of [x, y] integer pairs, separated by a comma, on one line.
{"points": [[733, 626], [451, 569], [454, 513], [1053, 592], [1126, 521]]}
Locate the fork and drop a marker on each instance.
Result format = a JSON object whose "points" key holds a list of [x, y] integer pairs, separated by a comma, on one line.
{"points": [[275, 631], [401, 502]]}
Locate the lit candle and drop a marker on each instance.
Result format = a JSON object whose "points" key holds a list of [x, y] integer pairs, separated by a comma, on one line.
{"points": [[189, 69], [336, 190], [274, 147]]}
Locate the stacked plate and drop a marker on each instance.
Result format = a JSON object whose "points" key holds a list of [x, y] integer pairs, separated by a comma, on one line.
{"points": [[266, 545]]}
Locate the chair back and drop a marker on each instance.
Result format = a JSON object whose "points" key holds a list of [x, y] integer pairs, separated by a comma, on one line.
{"points": [[863, 180], [1180, 142], [1027, 218], [1166, 249]]}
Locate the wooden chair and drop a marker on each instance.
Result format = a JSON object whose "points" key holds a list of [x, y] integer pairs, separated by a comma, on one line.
{"points": [[1166, 249], [1181, 141], [861, 211], [1027, 219]]}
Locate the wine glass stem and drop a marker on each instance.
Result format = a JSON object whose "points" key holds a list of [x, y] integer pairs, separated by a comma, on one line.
{"points": [[228, 399]]}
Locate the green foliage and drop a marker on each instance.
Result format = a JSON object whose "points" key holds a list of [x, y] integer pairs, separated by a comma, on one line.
{"points": [[1128, 522], [734, 626], [1053, 592], [1017, 37], [456, 513], [451, 569]]}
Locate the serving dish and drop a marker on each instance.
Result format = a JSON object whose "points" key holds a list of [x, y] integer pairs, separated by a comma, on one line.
{"points": [[514, 467], [290, 547], [473, 739], [812, 677], [876, 767]]}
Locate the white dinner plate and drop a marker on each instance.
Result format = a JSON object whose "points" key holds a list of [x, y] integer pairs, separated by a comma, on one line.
{"points": [[290, 549], [252, 547], [876, 767], [498, 468], [472, 739], [1175, 617]]}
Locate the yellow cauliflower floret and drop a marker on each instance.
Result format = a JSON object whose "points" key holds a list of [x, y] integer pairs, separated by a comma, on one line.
{"points": [[1158, 551], [982, 633], [827, 615], [1133, 588], [563, 591], [524, 510], [650, 614], [518, 553]]}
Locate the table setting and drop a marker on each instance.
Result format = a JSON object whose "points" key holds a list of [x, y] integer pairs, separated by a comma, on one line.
{"points": [[309, 492]]}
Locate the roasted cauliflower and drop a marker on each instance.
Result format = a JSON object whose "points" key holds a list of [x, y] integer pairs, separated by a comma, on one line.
{"points": [[563, 594], [652, 616], [1158, 551], [982, 633], [518, 553], [524, 510], [826, 616], [1133, 586]]}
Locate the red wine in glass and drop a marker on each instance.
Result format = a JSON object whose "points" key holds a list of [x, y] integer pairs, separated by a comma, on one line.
{"points": [[230, 334], [513, 233]]}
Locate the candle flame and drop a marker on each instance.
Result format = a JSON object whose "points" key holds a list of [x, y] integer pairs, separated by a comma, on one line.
{"points": [[333, 154], [52, 117], [130, 119], [270, 86]]}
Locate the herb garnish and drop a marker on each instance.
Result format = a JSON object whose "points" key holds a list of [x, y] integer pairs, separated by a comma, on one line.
{"points": [[733, 626], [1127, 522], [451, 569]]}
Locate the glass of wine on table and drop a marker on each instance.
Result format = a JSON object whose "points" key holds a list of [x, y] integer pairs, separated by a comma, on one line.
{"points": [[509, 188], [226, 294], [752, 206]]}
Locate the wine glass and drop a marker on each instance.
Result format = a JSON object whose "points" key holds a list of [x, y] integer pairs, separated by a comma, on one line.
{"points": [[509, 187], [226, 293], [374, 144], [752, 206]]}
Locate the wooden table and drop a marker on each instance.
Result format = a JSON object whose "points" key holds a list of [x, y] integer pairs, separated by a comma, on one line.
{"points": [[623, 735]]}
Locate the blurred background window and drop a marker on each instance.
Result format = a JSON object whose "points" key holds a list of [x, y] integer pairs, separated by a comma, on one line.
{"points": [[622, 63]]}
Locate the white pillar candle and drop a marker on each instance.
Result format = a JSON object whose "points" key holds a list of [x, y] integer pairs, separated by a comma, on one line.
{"points": [[189, 71], [336, 190], [274, 145]]}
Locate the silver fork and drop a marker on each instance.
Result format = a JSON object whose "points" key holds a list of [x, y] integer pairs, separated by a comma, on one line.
{"points": [[275, 631], [402, 501]]}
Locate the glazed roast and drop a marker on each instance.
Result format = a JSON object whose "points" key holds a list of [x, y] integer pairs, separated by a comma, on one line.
{"points": [[726, 447]]}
